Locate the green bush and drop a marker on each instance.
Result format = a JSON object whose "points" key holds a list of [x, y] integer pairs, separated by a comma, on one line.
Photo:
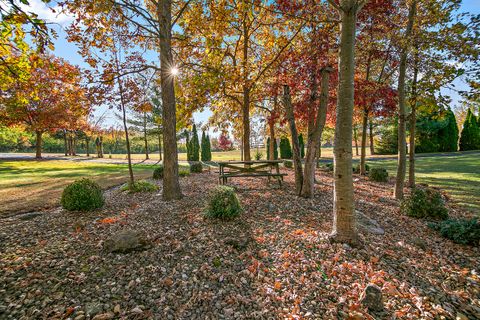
{"points": [[223, 203], [424, 203], [196, 167], [285, 148], [82, 195], [183, 171], [461, 231], [258, 155], [288, 164], [158, 172], [378, 174], [328, 166], [356, 168], [140, 186]]}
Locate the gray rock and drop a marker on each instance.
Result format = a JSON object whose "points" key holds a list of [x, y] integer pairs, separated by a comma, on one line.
{"points": [[29, 216], [368, 224], [125, 241], [372, 298]]}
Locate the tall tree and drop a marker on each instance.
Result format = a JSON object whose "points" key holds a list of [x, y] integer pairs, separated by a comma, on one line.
{"points": [[470, 135], [402, 146], [344, 229], [51, 95]]}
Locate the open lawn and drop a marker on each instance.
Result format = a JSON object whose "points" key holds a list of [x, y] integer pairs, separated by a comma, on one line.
{"points": [[31, 185], [459, 175]]}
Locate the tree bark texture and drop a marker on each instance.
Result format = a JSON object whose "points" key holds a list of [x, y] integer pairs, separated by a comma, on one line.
{"points": [[38, 145], [171, 185]]}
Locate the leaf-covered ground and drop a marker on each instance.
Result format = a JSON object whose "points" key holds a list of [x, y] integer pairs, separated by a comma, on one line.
{"points": [[273, 262]]}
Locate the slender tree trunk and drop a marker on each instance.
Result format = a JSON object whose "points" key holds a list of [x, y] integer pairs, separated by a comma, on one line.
{"points": [[145, 140], [246, 124], [314, 138], [100, 147], [363, 154], [65, 142], [372, 146], [355, 139], [74, 145], [413, 123], [38, 145], [171, 185], [127, 139], [344, 229], [271, 147], [297, 162], [87, 145], [159, 145], [402, 156]]}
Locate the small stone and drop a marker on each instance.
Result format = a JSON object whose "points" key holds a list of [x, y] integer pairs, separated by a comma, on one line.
{"points": [[372, 298], [228, 312], [116, 309], [93, 308], [137, 310]]}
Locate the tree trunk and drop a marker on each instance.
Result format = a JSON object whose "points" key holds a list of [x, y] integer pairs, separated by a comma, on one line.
{"points": [[363, 149], [171, 185], [87, 145], [100, 147], [370, 127], [314, 138], [344, 229], [127, 140], [402, 156], [145, 140], [413, 123], [271, 147], [246, 124], [38, 145], [297, 162], [65, 142], [74, 145]]}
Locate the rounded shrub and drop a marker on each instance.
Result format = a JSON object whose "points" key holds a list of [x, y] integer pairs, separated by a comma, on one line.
{"points": [[424, 203], [183, 171], [82, 195], [288, 164], [158, 172], [378, 174], [223, 203], [196, 167], [463, 231]]}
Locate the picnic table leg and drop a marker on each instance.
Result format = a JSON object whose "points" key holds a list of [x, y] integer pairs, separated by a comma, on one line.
{"points": [[280, 178]]}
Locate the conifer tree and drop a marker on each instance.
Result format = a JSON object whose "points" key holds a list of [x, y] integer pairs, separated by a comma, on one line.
{"points": [[205, 145], [302, 146], [470, 137], [285, 148], [195, 145], [448, 136]]}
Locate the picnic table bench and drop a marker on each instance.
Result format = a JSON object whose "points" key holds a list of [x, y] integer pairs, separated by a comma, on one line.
{"points": [[257, 168]]}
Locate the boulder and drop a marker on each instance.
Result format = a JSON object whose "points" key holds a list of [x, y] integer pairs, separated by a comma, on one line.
{"points": [[368, 224], [125, 241], [372, 298]]}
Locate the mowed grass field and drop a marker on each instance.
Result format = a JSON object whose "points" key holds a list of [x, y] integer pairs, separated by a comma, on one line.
{"points": [[27, 185], [33, 185], [459, 175]]}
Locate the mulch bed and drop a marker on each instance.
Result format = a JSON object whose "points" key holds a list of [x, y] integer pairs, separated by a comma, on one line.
{"points": [[272, 262]]}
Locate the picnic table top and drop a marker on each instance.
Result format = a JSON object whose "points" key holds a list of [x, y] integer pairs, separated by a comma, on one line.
{"points": [[249, 162]]}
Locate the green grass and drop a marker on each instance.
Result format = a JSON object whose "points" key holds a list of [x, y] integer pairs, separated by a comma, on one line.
{"points": [[32, 185], [458, 175]]}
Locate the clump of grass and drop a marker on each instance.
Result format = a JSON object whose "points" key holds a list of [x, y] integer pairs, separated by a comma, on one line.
{"points": [[140, 186]]}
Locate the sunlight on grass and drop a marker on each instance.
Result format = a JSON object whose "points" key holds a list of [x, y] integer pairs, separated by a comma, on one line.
{"points": [[31, 185]]}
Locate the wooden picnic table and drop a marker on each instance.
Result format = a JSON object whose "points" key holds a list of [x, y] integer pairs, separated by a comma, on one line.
{"points": [[256, 168]]}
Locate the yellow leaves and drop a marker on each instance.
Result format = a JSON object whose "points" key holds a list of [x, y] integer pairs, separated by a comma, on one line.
{"points": [[277, 285]]}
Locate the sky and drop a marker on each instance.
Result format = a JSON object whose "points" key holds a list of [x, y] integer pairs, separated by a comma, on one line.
{"points": [[69, 51]]}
